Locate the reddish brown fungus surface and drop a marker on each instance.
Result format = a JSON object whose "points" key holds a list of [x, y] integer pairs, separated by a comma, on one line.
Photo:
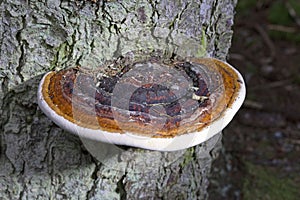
{"points": [[146, 98]]}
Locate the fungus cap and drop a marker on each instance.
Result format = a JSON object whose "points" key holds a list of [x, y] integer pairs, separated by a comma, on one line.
{"points": [[148, 104]]}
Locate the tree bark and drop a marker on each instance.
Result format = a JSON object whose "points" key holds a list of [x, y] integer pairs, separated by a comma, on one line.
{"points": [[38, 160]]}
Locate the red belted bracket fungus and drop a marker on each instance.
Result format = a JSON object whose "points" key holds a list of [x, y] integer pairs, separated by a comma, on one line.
{"points": [[150, 104]]}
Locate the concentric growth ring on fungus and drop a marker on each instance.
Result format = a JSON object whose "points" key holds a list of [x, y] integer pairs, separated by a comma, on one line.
{"points": [[151, 99]]}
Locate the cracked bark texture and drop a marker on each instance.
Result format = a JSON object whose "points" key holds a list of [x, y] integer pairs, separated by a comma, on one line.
{"points": [[38, 160]]}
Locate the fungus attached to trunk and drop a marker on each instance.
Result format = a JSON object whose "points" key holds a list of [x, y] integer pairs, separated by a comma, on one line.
{"points": [[150, 104]]}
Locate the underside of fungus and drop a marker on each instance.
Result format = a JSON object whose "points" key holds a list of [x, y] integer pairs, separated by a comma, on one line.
{"points": [[152, 104]]}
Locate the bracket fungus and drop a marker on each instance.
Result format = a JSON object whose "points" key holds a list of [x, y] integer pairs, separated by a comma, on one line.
{"points": [[151, 104]]}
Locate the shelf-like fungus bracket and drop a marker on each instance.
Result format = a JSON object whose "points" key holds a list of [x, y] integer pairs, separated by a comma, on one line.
{"points": [[149, 104]]}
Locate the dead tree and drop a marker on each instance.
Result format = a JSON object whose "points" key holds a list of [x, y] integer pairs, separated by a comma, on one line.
{"points": [[38, 160]]}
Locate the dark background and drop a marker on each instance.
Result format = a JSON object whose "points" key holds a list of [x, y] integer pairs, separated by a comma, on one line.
{"points": [[261, 159]]}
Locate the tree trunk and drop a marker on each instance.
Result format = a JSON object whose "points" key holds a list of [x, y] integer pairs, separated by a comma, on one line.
{"points": [[38, 160]]}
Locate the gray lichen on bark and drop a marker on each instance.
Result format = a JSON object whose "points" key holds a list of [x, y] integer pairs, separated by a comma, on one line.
{"points": [[38, 160]]}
